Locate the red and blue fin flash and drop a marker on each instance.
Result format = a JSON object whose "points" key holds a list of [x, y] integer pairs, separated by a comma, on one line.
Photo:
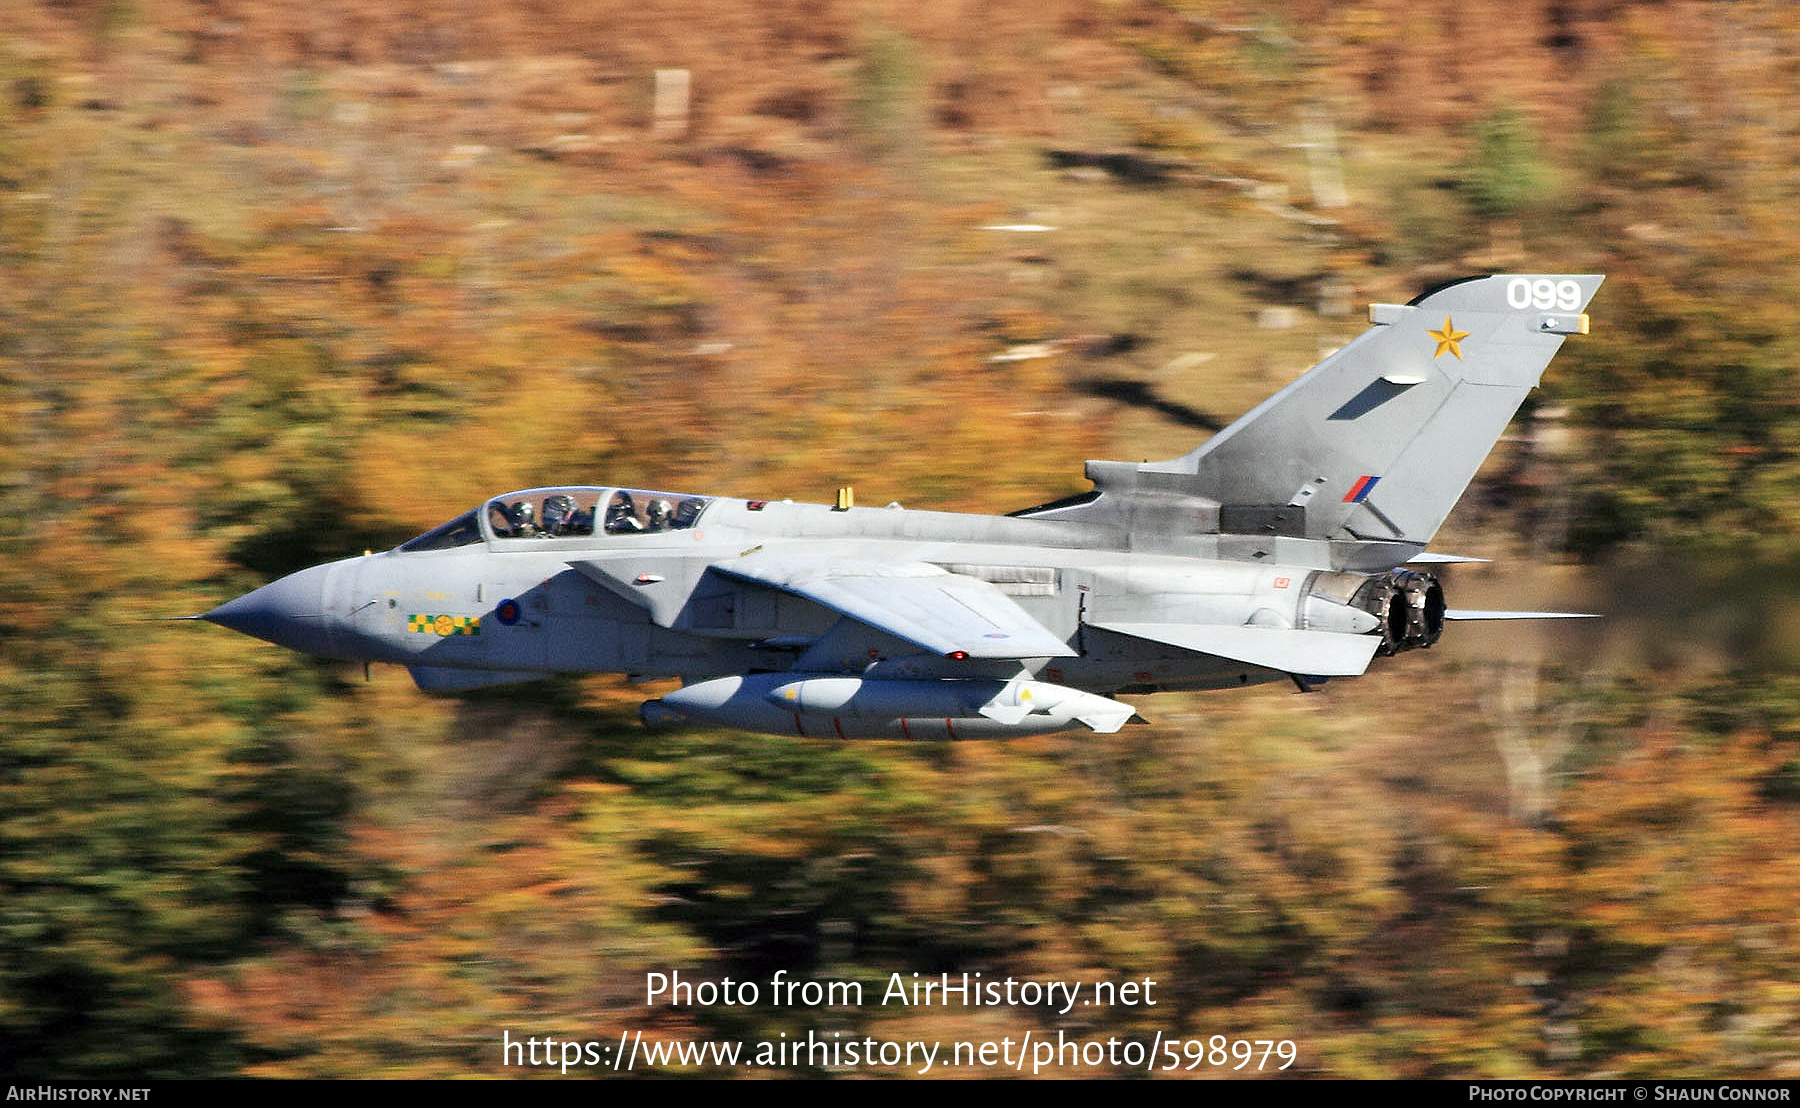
{"points": [[1360, 491]]}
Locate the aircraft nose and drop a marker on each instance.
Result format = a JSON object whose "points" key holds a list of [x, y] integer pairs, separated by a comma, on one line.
{"points": [[290, 612]]}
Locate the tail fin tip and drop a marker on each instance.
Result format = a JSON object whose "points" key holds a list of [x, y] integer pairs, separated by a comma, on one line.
{"points": [[1378, 441]]}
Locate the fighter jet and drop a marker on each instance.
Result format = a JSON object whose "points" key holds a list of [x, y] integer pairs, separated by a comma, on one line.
{"points": [[1290, 546]]}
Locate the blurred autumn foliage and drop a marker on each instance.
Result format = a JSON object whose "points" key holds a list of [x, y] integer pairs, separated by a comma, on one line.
{"points": [[282, 282]]}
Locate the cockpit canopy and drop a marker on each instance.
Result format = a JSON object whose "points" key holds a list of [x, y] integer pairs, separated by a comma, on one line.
{"points": [[561, 513]]}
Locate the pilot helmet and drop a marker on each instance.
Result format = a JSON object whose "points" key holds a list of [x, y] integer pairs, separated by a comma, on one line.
{"points": [[521, 513], [659, 513], [558, 511]]}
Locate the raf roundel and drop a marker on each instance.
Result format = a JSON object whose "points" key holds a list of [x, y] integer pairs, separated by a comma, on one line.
{"points": [[507, 612]]}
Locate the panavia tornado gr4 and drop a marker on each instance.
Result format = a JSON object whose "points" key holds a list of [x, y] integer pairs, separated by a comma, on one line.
{"points": [[1290, 546]]}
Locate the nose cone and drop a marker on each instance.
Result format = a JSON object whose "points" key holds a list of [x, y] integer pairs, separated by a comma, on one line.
{"points": [[292, 612]]}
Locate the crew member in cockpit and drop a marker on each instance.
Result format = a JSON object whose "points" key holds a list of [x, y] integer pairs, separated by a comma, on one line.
{"points": [[582, 522], [621, 516], [522, 518], [660, 515], [559, 512]]}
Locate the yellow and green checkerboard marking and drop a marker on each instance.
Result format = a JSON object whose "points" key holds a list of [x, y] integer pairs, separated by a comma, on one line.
{"points": [[444, 625]]}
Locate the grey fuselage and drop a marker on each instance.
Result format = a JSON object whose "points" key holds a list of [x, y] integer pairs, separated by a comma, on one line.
{"points": [[645, 604], [1277, 549]]}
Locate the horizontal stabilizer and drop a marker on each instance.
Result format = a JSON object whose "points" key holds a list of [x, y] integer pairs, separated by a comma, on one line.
{"points": [[1475, 614], [1431, 558], [1313, 653]]}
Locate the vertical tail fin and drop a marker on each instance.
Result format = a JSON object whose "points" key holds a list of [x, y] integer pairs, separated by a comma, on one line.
{"points": [[1379, 440]]}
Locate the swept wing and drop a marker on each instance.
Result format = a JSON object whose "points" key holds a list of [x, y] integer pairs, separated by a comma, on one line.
{"points": [[939, 611]]}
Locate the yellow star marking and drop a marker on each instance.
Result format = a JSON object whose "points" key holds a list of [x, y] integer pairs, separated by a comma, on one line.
{"points": [[1449, 339]]}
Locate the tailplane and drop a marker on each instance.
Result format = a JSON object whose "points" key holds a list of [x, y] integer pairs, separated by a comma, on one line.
{"points": [[1377, 442]]}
